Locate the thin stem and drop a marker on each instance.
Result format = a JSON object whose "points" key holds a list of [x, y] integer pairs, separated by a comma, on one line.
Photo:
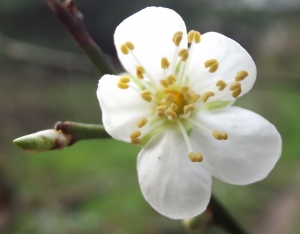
{"points": [[71, 18]]}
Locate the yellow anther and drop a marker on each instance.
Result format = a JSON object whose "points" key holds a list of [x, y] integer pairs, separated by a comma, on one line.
{"points": [[241, 75], [213, 68], [135, 134], [146, 95], [177, 37], [136, 141], [171, 114], [194, 36], [169, 98], [184, 54], [164, 83], [192, 107], [187, 95], [192, 157], [140, 71], [188, 108], [164, 62], [161, 108], [185, 88], [190, 36], [217, 135], [195, 97], [122, 85], [141, 123], [221, 84], [174, 107], [129, 45], [124, 79], [210, 62], [236, 92], [235, 86], [171, 79], [199, 157], [207, 95], [160, 114], [224, 135], [124, 49], [197, 37]]}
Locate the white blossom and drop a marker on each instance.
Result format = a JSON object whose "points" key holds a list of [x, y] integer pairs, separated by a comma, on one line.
{"points": [[175, 101]]}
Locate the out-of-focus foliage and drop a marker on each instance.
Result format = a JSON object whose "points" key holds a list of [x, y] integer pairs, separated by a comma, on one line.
{"points": [[92, 186]]}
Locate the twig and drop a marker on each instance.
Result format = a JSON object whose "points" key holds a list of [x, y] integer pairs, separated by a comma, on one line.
{"points": [[72, 19]]}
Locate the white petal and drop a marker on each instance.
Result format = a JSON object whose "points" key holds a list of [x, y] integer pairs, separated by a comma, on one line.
{"points": [[151, 31], [251, 151], [231, 57], [121, 109], [170, 182]]}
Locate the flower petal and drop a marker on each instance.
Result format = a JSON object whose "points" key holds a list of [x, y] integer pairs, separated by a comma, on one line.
{"points": [[121, 109], [251, 151], [232, 58], [170, 182], [151, 31]]}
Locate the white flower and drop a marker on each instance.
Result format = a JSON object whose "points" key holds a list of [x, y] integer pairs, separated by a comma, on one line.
{"points": [[176, 103]]}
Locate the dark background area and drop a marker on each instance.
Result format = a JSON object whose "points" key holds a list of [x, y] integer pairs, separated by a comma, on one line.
{"points": [[92, 186]]}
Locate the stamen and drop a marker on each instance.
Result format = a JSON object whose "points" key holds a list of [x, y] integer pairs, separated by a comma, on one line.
{"points": [[194, 36], [236, 93], [187, 95], [221, 84], [241, 75], [141, 123], [177, 37], [171, 114], [135, 134], [207, 95], [220, 135], [169, 99], [136, 141], [188, 108], [146, 95], [160, 111], [199, 157], [140, 71], [174, 107], [171, 79], [122, 85], [124, 49], [184, 54], [129, 45], [212, 64], [195, 98], [235, 86], [164, 62], [164, 83], [185, 88], [193, 157], [124, 79]]}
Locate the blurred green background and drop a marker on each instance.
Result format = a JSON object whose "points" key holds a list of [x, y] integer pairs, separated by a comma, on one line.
{"points": [[92, 186]]}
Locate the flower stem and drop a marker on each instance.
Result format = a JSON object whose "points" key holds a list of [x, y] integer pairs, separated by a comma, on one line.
{"points": [[72, 19]]}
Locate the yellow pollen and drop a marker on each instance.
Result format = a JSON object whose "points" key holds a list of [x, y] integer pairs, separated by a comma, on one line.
{"points": [[122, 85], [184, 54], [164, 83], [188, 108], [220, 135], [140, 71], [161, 108], [199, 157], [135, 134], [185, 88], [164, 62], [235, 86], [187, 95], [195, 97], [146, 95], [141, 123], [124, 79], [194, 36], [177, 37], [236, 92], [241, 75], [171, 79], [124, 49], [171, 114], [169, 98], [136, 141], [129, 45], [160, 114], [190, 36], [192, 157], [207, 95], [212, 64], [221, 84], [174, 107]]}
